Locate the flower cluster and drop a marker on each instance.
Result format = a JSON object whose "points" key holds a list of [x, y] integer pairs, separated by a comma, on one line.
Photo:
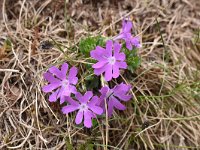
{"points": [[110, 60], [87, 107], [113, 97], [126, 35], [60, 84]]}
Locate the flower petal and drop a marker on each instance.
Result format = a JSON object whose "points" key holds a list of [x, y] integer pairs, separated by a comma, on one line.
{"points": [[121, 65], [93, 105], [123, 97], [120, 36], [98, 54], [99, 64], [64, 69], [117, 104], [124, 24], [57, 72], [115, 71], [102, 105], [120, 56], [99, 71], [65, 91], [71, 101], [109, 49], [94, 101], [54, 96], [103, 91], [87, 96], [62, 99], [136, 42], [108, 72], [88, 119], [79, 97], [121, 91], [110, 107], [50, 87], [122, 88], [117, 48], [96, 110], [72, 89], [128, 26], [128, 44], [49, 77], [79, 117], [69, 108], [72, 75]]}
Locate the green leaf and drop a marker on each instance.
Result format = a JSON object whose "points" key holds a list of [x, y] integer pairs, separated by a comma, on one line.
{"points": [[68, 145], [94, 123], [7, 44], [90, 146], [89, 43], [92, 82], [133, 63], [132, 58], [86, 146]]}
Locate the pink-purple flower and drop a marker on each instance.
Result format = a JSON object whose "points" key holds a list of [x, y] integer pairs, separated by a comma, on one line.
{"points": [[110, 60], [60, 85], [126, 35], [114, 96], [136, 42], [87, 108]]}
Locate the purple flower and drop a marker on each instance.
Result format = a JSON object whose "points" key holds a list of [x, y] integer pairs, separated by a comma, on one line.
{"points": [[86, 108], [113, 97], [60, 84], [125, 34], [109, 60], [136, 42]]}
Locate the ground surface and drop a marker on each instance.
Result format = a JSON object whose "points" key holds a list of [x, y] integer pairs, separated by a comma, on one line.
{"points": [[165, 110]]}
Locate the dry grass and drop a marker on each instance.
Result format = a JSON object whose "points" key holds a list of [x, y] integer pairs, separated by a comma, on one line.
{"points": [[165, 111]]}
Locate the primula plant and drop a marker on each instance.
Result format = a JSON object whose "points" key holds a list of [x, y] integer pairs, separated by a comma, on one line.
{"points": [[126, 35], [114, 96], [109, 60], [87, 107], [60, 85]]}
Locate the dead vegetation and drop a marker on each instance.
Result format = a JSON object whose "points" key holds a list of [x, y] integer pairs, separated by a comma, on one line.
{"points": [[165, 111]]}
